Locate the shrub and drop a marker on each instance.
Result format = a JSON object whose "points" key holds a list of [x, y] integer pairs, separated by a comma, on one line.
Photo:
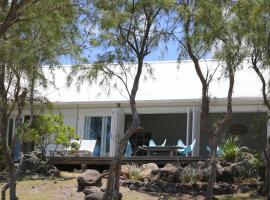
{"points": [[46, 130], [191, 175], [231, 148], [134, 172], [75, 146], [258, 168]]}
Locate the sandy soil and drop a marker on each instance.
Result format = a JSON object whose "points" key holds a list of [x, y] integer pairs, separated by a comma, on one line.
{"points": [[66, 189]]}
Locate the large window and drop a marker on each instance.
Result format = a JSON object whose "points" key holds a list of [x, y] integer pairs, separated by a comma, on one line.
{"points": [[99, 129]]}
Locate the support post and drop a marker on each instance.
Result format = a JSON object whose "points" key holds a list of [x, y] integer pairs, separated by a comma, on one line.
{"points": [[196, 121], [189, 126], [117, 129]]}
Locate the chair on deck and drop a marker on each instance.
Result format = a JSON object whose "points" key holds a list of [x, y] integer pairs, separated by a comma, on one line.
{"points": [[186, 149], [153, 144], [220, 151], [86, 145], [128, 151]]}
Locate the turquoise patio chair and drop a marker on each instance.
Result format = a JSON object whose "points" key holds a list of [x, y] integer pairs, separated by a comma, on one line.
{"points": [[153, 144], [128, 151], [186, 149], [181, 144], [164, 143], [220, 151]]}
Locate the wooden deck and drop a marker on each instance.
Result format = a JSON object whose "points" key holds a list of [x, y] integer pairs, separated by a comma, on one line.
{"points": [[105, 161]]}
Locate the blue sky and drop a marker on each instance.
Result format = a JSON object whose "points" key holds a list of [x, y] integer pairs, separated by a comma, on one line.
{"points": [[162, 53]]}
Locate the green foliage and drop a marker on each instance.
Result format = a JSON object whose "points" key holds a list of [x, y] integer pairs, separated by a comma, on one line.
{"points": [[258, 166], [128, 31], [231, 148], [134, 172], [202, 22], [75, 146], [48, 129], [45, 31], [190, 175]]}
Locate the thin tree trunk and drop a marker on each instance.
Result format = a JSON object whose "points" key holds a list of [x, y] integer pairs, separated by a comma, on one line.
{"points": [[112, 189], [3, 191], [213, 168], [267, 178], [3, 131], [266, 189], [10, 163], [217, 133]]}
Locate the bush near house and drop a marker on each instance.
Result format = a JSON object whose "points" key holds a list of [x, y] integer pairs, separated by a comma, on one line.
{"points": [[46, 130], [231, 148]]}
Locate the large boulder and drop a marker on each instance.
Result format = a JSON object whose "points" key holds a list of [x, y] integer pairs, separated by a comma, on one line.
{"points": [[94, 196], [89, 178], [225, 174], [147, 169], [152, 166], [98, 196], [32, 164], [169, 173], [145, 173], [125, 171]]}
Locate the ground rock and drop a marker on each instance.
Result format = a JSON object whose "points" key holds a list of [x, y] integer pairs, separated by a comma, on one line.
{"points": [[30, 162], [98, 195], [147, 169], [94, 196], [152, 166], [89, 178], [243, 189], [125, 170], [145, 173], [169, 173], [225, 174], [33, 164]]}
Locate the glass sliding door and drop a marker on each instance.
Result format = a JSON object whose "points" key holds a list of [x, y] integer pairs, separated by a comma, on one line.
{"points": [[106, 131], [99, 129]]}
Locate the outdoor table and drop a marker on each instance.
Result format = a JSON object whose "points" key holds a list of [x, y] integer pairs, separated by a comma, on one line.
{"points": [[172, 150]]}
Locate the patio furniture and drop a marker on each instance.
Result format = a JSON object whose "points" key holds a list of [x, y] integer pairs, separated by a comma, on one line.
{"points": [[153, 144], [157, 150], [186, 149], [219, 150], [86, 149]]}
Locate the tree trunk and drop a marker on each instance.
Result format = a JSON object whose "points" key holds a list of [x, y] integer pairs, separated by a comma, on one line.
{"points": [[213, 168], [11, 165], [3, 132], [3, 191], [267, 170], [112, 188], [217, 133], [267, 104], [267, 181]]}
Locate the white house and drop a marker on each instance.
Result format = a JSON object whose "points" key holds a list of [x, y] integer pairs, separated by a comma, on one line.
{"points": [[168, 103]]}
